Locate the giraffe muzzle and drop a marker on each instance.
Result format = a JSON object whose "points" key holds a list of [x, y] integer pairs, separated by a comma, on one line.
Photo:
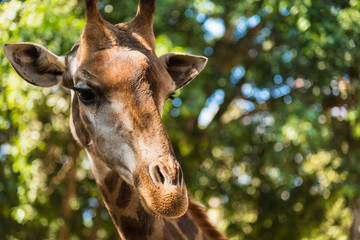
{"points": [[162, 189]]}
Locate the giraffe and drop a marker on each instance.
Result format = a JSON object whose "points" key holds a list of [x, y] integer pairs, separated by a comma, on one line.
{"points": [[118, 89]]}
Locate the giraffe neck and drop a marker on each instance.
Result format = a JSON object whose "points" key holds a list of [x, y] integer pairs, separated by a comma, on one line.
{"points": [[133, 222]]}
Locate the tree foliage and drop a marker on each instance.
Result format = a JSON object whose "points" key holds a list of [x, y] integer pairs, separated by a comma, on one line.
{"points": [[267, 135]]}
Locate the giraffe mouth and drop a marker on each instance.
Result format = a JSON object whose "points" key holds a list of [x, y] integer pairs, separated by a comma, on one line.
{"points": [[168, 204]]}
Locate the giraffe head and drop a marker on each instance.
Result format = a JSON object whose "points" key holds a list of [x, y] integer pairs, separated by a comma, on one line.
{"points": [[118, 90]]}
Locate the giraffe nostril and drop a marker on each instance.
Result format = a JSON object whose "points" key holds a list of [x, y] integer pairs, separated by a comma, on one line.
{"points": [[160, 175], [157, 175], [180, 176]]}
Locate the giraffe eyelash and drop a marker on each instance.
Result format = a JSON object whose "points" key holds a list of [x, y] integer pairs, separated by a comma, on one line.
{"points": [[172, 96]]}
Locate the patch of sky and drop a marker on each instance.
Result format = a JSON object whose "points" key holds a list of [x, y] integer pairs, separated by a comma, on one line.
{"points": [[208, 37], [245, 105], [280, 91], [214, 28], [284, 11], [225, 198], [253, 21], [243, 23], [287, 99], [298, 181], [299, 158], [266, 120], [176, 102], [175, 112], [209, 6], [217, 97], [247, 90], [238, 34], [278, 79], [265, 31], [261, 94], [241, 27], [260, 39], [211, 108], [208, 51], [290, 81], [93, 202], [244, 179], [336, 92], [86, 163], [317, 107], [334, 10], [287, 56], [265, 11], [87, 215], [4, 150], [189, 13], [270, 24], [339, 112], [200, 17], [87, 218], [236, 74]]}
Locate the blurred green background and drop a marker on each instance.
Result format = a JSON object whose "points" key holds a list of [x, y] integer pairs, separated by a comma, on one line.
{"points": [[268, 135]]}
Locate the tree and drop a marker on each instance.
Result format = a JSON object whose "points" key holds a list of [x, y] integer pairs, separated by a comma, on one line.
{"points": [[267, 135]]}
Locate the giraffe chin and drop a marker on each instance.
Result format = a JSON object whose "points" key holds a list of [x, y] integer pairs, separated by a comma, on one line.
{"points": [[165, 203]]}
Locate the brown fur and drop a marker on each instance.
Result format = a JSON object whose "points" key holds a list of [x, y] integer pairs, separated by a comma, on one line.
{"points": [[91, 8], [188, 226], [147, 7], [124, 196], [172, 231], [111, 180]]}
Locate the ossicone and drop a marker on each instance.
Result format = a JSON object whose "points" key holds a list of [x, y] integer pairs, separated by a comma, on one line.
{"points": [[92, 8], [146, 9]]}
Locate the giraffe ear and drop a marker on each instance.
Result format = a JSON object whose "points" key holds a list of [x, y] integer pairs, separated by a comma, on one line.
{"points": [[35, 63], [183, 67]]}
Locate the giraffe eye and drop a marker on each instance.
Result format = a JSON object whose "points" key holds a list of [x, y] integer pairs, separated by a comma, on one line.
{"points": [[86, 96]]}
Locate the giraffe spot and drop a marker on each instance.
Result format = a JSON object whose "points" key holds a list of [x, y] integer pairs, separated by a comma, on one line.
{"points": [[114, 217], [188, 226], [124, 196], [79, 131], [170, 230], [136, 180], [131, 228], [204, 237], [111, 180], [147, 117], [103, 194], [145, 220]]}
